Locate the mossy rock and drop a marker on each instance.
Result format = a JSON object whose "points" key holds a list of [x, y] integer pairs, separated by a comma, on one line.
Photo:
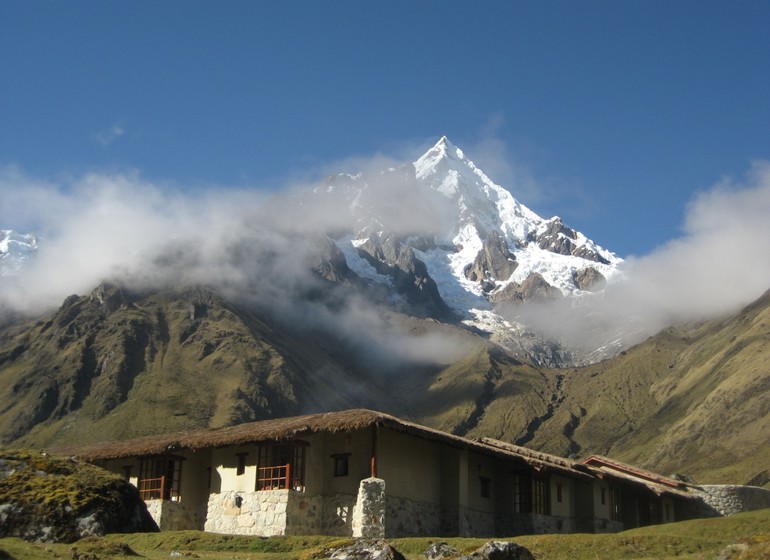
{"points": [[56, 499]]}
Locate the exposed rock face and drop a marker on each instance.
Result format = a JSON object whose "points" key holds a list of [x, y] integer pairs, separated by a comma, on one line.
{"points": [[534, 288], [590, 279], [493, 262], [62, 500], [501, 550], [389, 256], [329, 262], [561, 239]]}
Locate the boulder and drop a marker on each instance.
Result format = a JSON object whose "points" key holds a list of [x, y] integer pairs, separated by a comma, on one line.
{"points": [[500, 550], [440, 550], [367, 550], [54, 499]]}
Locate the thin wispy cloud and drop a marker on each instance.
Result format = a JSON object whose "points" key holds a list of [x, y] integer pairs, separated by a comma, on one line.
{"points": [[108, 136]]}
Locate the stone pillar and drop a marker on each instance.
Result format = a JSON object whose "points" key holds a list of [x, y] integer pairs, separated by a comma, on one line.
{"points": [[369, 512]]}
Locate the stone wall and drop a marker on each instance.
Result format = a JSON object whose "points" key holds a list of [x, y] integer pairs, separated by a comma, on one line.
{"points": [[409, 518], [280, 512], [337, 515], [730, 499], [174, 516], [260, 513], [475, 523]]}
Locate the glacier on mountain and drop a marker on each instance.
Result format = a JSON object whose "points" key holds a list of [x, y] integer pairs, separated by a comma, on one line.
{"points": [[15, 249]]}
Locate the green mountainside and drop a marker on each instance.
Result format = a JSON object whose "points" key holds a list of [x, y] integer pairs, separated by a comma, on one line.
{"points": [[693, 399], [114, 365]]}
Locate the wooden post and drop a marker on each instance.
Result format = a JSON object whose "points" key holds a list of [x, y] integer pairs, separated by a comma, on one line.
{"points": [[374, 452], [288, 476]]}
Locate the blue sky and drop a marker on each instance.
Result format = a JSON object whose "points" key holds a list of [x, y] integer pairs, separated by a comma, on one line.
{"points": [[612, 115]]}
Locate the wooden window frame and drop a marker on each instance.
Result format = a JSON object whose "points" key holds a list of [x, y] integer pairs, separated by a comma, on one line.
{"points": [[340, 464], [240, 468], [615, 510], [281, 466], [160, 477], [541, 500]]}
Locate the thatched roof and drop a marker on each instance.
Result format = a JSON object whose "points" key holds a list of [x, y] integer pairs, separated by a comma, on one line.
{"points": [[538, 459], [605, 467], [286, 429], [279, 429]]}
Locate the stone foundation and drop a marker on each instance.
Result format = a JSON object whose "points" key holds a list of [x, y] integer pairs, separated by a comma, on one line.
{"points": [[474, 523], [174, 516], [260, 513], [280, 512], [410, 518]]}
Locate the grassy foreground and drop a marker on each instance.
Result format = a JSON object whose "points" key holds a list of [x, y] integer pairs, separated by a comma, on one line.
{"points": [[744, 536]]}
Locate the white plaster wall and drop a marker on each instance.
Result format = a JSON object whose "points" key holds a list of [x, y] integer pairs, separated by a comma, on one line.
{"points": [[601, 510], [565, 508], [411, 466], [482, 466], [224, 463]]}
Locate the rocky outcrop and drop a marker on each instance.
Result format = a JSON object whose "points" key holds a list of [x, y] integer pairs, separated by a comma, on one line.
{"points": [[51, 499], [409, 275], [534, 288], [589, 279], [329, 262], [561, 239], [493, 262]]}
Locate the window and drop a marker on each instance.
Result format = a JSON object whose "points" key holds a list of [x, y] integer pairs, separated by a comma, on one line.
{"points": [[160, 478], [540, 499], [559, 490], [127, 471], [241, 468], [485, 485], [281, 466], [340, 464], [522, 493], [604, 496], [614, 505]]}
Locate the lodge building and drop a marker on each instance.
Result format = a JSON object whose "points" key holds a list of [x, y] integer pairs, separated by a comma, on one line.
{"points": [[365, 473]]}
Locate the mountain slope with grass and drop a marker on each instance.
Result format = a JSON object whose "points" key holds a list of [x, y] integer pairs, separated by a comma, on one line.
{"points": [[692, 399]]}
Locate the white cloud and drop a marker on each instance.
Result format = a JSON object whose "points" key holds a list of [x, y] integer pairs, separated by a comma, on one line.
{"points": [[721, 263]]}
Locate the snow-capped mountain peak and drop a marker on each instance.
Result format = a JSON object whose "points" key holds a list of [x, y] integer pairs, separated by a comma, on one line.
{"points": [[15, 249], [489, 248]]}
